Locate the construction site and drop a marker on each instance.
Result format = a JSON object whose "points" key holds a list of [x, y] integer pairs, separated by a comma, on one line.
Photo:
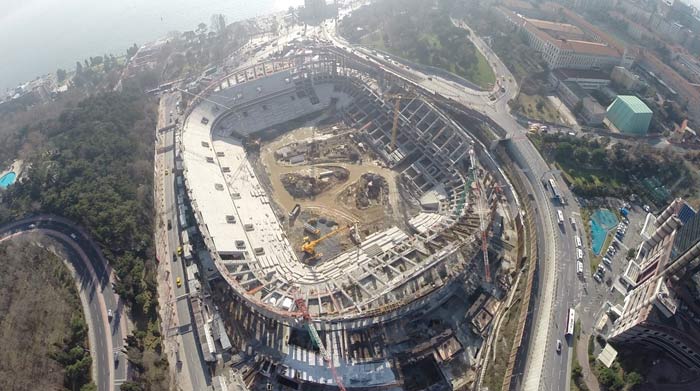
{"points": [[351, 225]]}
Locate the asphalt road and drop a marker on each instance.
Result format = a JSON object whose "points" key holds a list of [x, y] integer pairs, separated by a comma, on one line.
{"points": [[188, 345], [94, 279]]}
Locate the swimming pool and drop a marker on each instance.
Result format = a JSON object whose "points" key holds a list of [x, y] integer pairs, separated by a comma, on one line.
{"points": [[7, 179], [602, 221]]}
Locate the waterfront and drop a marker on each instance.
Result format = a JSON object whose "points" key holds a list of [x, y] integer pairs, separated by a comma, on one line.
{"points": [[79, 29]]}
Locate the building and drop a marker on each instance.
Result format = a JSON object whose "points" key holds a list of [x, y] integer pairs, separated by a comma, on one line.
{"points": [[660, 312], [564, 45], [587, 79], [625, 79], [629, 115], [686, 93], [579, 101]]}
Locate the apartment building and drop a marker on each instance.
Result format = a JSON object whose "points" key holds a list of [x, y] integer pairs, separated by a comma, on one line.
{"points": [[660, 311]]}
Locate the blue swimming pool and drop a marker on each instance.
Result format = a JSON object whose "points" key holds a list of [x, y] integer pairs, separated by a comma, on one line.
{"points": [[602, 221], [7, 179]]}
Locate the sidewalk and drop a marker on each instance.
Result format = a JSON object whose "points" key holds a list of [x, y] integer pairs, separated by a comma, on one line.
{"points": [[582, 357]]}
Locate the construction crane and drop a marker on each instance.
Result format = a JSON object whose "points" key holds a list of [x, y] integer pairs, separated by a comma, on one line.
{"points": [[300, 303], [483, 227], [397, 107], [309, 246]]}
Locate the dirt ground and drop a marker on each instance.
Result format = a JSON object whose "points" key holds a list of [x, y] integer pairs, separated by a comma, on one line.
{"points": [[334, 203], [37, 303]]}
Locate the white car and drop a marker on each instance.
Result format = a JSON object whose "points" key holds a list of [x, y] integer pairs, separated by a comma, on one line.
{"points": [[109, 314]]}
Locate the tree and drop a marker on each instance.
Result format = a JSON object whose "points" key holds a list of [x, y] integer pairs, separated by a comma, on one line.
{"points": [[131, 51], [89, 387], [633, 378], [581, 155], [60, 75], [218, 24], [201, 28], [78, 68], [130, 386], [189, 35], [598, 157]]}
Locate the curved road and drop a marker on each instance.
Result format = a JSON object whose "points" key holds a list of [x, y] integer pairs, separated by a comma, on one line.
{"points": [[93, 278]]}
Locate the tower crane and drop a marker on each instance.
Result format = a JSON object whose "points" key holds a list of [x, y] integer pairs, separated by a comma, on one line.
{"points": [[397, 105], [483, 227], [308, 322], [309, 246]]}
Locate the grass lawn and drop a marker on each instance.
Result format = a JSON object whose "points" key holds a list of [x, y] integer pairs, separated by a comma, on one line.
{"points": [[546, 112], [481, 74], [484, 75], [585, 177]]}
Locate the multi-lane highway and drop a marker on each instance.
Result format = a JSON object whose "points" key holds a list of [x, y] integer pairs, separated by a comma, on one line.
{"points": [[179, 325], [558, 285], [93, 274]]}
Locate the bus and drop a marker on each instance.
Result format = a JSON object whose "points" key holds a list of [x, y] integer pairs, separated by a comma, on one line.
{"points": [[578, 242], [555, 191], [570, 322], [560, 217]]}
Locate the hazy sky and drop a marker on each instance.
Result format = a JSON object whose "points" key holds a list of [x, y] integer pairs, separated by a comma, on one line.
{"points": [[39, 36]]}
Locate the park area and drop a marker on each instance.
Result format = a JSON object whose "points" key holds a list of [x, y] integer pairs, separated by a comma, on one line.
{"points": [[424, 36], [42, 330]]}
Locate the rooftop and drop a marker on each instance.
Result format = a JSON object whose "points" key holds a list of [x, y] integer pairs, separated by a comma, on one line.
{"points": [[555, 26], [635, 104], [565, 73]]}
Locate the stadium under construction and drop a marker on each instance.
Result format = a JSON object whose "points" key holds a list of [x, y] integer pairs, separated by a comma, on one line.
{"points": [[345, 216]]}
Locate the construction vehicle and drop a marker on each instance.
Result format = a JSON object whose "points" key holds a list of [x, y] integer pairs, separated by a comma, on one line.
{"points": [[311, 229], [300, 303], [309, 246]]}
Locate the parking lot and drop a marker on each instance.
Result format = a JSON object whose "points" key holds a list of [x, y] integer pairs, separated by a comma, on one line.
{"points": [[600, 293]]}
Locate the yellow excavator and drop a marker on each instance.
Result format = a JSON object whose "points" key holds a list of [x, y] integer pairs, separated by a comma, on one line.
{"points": [[309, 246]]}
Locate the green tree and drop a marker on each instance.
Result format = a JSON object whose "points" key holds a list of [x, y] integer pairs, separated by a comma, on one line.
{"points": [[89, 387], [598, 157], [130, 386], [633, 378], [581, 155]]}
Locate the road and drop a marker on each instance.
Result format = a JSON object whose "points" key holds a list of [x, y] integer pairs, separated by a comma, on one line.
{"points": [[178, 325], [94, 281], [558, 287]]}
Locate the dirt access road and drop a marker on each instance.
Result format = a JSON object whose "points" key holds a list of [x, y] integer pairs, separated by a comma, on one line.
{"points": [[327, 202]]}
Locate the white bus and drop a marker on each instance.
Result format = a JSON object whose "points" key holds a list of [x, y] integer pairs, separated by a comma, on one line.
{"points": [[579, 254], [560, 217], [555, 191], [570, 322], [578, 242]]}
